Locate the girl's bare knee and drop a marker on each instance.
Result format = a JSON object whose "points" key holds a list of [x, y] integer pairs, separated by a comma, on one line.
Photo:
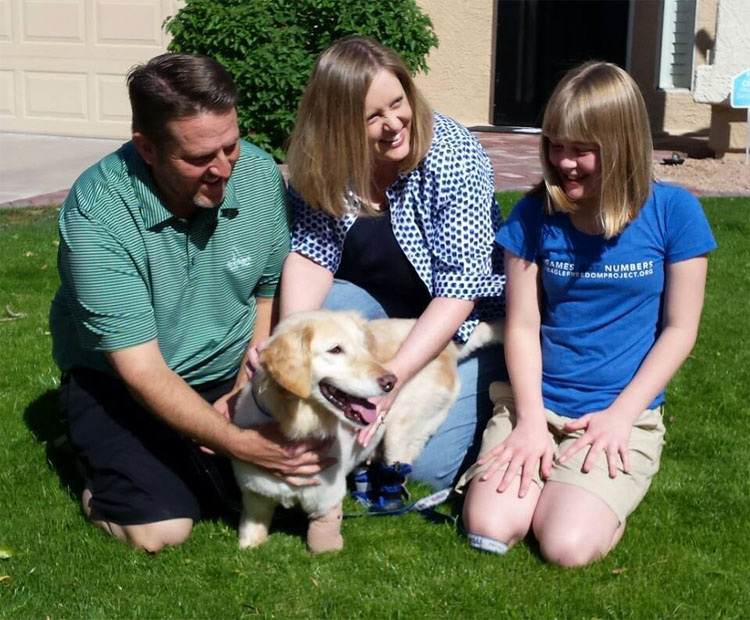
{"points": [[501, 517], [573, 526], [570, 551], [569, 545]]}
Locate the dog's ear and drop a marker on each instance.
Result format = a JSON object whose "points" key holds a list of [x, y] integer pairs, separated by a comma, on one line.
{"points": [[287, 360]]}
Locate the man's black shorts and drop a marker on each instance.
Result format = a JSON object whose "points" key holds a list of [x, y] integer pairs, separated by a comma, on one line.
{"points": [[140, 470]]}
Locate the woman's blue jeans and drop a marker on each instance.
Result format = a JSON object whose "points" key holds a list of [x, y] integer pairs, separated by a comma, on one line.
{"points": [[456, 443]]}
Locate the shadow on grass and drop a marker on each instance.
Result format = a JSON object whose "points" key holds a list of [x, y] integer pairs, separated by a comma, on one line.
{"points": [[42, 417]]}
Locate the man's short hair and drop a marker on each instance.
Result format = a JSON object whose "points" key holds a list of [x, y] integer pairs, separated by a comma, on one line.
{"points": [[174, 86]]}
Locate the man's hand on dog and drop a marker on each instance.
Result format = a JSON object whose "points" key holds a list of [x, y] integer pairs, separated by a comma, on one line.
{"points": [[225, 406], [296, 462], [253, 358]]}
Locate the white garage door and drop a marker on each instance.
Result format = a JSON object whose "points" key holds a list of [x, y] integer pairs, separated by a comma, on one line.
{"points": [[63, 62]]}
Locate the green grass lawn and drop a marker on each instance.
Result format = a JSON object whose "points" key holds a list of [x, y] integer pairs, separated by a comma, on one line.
{"points": [[685, 553]]}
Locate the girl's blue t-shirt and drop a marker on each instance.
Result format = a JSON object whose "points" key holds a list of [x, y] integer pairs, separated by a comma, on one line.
{"points": [[603, 298]]}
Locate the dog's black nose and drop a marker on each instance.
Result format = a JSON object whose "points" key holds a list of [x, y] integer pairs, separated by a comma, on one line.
{"points": [[387, 382]]}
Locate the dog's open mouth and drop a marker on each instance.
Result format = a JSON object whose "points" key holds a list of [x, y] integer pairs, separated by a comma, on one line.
{"points": [[358, 410]]}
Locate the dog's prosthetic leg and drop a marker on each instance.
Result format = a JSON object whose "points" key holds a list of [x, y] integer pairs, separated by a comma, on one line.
{"points": [[324, 533]]}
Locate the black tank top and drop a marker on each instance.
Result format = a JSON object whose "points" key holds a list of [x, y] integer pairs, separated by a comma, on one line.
{"points": [[373, 260]]}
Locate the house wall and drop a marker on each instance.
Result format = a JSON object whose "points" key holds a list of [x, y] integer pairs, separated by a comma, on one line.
{"points": [[460, 79], [713, 84], [63, 62]]}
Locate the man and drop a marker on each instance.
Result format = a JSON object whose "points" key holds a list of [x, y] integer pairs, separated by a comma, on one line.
{"points": [[170, 255]]}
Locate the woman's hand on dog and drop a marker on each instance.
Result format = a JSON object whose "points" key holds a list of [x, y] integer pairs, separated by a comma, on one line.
{"points": [[296, 462], [383, 405]]}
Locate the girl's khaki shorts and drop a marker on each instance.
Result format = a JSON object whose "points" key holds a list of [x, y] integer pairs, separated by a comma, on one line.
{"points": [[622, 493]]}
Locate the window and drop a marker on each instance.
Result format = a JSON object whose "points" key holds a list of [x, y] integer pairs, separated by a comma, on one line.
{"points": [[678, 33]]}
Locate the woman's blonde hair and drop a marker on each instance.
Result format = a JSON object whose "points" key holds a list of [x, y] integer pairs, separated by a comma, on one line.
{"points": [[599, 103], [329, 154]]}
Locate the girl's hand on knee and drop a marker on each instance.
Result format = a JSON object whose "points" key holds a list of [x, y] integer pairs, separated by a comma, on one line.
{"points": [[606, 431], [527, 449]]}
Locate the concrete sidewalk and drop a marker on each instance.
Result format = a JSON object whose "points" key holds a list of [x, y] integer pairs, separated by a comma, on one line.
{"points": [[39, 170]]}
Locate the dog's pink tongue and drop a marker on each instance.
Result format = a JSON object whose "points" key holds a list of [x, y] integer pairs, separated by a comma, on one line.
{"points": [[365, 409]]}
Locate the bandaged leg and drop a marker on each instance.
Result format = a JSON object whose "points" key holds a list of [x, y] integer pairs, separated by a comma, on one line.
{"points": [[324, 533]]}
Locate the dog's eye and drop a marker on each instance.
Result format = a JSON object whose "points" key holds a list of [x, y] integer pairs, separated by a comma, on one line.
{"points": [[336, 350]]}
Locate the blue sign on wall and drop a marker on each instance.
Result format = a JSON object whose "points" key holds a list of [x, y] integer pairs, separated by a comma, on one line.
{"points": [[741, 90]]}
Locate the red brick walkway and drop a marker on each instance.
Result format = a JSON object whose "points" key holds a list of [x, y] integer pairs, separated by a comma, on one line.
{"points": [[515, 159]]}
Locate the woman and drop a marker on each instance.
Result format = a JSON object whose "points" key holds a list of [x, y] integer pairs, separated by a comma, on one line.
{"points": [[395, 215], [609, 268]]}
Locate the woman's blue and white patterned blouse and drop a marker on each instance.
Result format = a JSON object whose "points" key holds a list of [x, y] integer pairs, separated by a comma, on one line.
{"points": [[444, 217]]}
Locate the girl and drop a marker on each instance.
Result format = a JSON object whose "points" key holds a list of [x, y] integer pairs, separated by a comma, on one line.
{"points": [[395, 215], [606, 273]]}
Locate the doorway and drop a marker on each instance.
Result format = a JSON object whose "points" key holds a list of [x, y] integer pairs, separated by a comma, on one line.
{"points": [[539, 40]]}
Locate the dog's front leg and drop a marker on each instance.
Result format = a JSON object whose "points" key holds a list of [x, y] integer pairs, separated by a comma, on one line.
{"points": [[324, 532], [255, 520], [399, 445]]}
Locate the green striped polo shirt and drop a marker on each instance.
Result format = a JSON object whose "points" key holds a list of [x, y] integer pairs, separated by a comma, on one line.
{"points": [[130, 271]]}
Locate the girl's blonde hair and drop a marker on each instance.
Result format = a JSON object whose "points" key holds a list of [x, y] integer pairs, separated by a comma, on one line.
{"points": [[329, 155], [599, 103]]}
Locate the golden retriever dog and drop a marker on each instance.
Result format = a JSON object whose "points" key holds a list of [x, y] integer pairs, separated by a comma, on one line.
{"points": [[314, 378]]}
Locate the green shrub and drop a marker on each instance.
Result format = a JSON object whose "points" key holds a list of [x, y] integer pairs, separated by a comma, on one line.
{"points": [[269, 47]]}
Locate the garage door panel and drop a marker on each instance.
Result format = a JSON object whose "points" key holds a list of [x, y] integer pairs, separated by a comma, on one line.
{"points": [[63, 62], [112, 98], [53, 22], [55, 95], [128, 23], [6, 25], [7, 93]]}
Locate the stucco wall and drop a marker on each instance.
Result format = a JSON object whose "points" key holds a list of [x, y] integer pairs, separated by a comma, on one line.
{"points": [[713, 83], [459, 83], [731, 53]]}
